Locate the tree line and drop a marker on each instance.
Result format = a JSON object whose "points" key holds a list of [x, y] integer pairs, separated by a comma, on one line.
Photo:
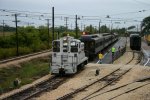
{"points": [[33, 39]]}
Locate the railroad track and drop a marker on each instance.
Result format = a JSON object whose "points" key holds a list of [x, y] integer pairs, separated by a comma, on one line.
{"points": [[127, 91], [20, 57], [49, 84], [135, 59], [102, 83]]}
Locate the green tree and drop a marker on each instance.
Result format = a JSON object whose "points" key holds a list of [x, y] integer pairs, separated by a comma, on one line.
{"points": [[146, 25], [104, 29], [90, 29]]}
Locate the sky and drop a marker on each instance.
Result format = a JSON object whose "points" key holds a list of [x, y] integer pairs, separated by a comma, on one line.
{"points": [[122, 13]]}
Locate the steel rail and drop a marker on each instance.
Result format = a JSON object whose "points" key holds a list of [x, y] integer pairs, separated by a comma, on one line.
{"points": [[109, 83], [49, 84], [138, 80], [86, 86], [129, 90]]}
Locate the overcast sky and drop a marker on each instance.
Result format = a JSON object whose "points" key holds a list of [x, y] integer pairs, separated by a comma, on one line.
{"points": [[116, 9]]}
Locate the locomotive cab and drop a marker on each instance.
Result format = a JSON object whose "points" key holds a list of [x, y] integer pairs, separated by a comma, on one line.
{"points": [[68, 54]]}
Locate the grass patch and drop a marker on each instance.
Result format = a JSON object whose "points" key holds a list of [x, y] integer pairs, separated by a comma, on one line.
{"points": [[26, 72]]}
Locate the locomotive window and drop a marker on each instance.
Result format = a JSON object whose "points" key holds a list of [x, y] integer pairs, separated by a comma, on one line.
{"points": [[74, 46], [65, 47], [56, 46]]}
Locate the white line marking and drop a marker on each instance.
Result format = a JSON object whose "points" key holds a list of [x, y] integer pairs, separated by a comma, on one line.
{"points": [[147, 62], [98, 61]]}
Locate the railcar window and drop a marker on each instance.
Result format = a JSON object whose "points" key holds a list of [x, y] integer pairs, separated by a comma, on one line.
{"points": [[92, 44], [74, 46], [56, 46]]}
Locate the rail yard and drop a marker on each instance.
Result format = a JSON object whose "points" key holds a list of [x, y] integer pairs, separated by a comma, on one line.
{"points": [[126, 77], [74, 50]]}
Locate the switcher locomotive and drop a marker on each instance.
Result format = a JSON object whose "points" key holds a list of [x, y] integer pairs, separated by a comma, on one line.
{"points": [[94, 43], [67, 56]]}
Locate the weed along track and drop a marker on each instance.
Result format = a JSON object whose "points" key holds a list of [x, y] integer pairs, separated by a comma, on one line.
{"points": [[49, 84], [24, 57], [100, 83]]}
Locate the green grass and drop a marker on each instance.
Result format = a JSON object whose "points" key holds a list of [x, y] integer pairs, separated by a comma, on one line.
{"points": [[6, 33], [26, 72]]}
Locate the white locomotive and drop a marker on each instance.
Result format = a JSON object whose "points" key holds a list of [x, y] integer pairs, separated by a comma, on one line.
{"points": [[67, 56]]}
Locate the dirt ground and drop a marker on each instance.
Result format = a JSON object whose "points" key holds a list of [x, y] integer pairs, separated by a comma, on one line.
{"points": [[88, 75]]}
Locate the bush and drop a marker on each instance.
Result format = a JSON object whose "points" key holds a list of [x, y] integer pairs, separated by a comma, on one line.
{"points": [[7, 52], [24, 50]]}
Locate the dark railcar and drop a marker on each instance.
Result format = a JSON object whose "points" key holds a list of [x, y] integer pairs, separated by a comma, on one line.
{"points": [[90, 44], [94, 43], [135, 42]]}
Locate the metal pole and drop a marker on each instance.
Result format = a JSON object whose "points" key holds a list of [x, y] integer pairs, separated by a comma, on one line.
{"points": [[111, 27], [52, 23], [76, 23], [99, 27], [90, 29], [137, 28], [58, 35], [66, 19], [105, 28], [81, 27], [16, 34], [3, 29], [48, 32]]}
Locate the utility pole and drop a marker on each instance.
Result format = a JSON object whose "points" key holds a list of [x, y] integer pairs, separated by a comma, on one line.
{"points": [[16, 22], [3, 29], [48, 32], [90, 29], [58, 35], [76, 24], [66, 19], [81, 27], [105, 28], [28, 24], [141, 28], [111, 26], [137, 28], [52, 23], [71, 26], [99, 27], [84, 27]]}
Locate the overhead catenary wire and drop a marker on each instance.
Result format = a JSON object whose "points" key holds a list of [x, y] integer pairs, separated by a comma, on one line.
{"points": [[60, 17]]}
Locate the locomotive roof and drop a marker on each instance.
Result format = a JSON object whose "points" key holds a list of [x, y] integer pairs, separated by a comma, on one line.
{"points": [[92, 36], [132, 35], [72, 39], [104, 34]]}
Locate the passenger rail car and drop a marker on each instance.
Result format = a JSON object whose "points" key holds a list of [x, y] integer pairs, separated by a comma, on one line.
{"points": [[67, 56], [96, 42], [135, 42]]}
